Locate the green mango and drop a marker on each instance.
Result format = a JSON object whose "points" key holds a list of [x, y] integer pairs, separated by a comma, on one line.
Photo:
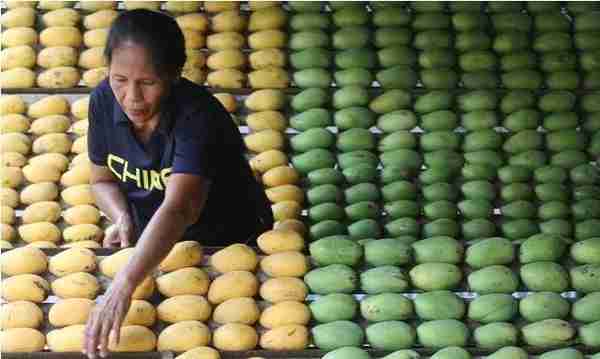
{"points": [[324, 193], [350, 96], [587, 22], [361, 192], [402, 208], [569, 159], [450, 159], [586, 174], [403, 354], [355, 139], [400, 120], [438, 305], [441, 227], [408, 159], [337, 335], [313, 118], [519, 210], [347, 353], [439, 192], [308, 39], [350, 16], [494, 336], [542, 247], [435, 276], [490, 308], [544, 276], [510, 41], [542, 7], [304, 6], [325, 176], [587, 251], [433, 101], [490, 251], [587, 41], [387, 251], [311, 139], [313, 160], [583, 192], [557, 101], [522, 79], [478, 228], [397, 77], [396, 16], [478, 60], [479, 190], [440, 209], [587, 229], [532, 159], [335, 250], [384, 279], [440, 249], [558, 61], [427, 6], [334, 307], [477, 100], [517, 100], [440, 140], [351, 37], [325, 211], [311, 58], [479, 120], [585, 309], [392, 36], [360, 173], [591, 122], [362, 210], [431, 21], [400, 190], [351, 58], [549, 22], [548, 333], [521, 120], [567, 353], [550, 174], [393, 173], [561, 121], [451, 353], [590, 61], [553, 41], [385, 307], [512, 21], [353, 77], [466, 6], [472, 40], [482, 140], [519, 228], [512, 174], [536, 307], [467, 21], [566, 140], [356, 5], [335, 278], [442, 333], [479, 80], [431, 39], [396, 141], [354, 158], [509, 353], [390, 335], [309, 99], [315, 77], [471, 172], [309, 21], [493, 279], [585, 209], [390, 101], [584, 278], [443, 120], [326, 228], [563, 80], [363, 229], [397, 56], [436, 174], [553, 210], [516, 191], [402, 227], [436, 58], [518, 61], [560, 227], [475, 208], [439, 78]]}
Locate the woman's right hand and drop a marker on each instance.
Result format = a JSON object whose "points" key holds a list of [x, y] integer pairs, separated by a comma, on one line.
{"points": [[119, 234]]}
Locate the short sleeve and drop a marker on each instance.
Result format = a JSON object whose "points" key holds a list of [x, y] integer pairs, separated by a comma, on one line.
{"points": [[194, 139], [97, 146]]}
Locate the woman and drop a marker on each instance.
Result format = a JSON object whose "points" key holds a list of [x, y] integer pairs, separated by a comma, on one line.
{"points": [[167, 161]]}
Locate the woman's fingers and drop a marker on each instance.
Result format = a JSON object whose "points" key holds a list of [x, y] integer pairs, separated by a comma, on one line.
{"points": [[111, 237], [104, 335], [91, 334]]}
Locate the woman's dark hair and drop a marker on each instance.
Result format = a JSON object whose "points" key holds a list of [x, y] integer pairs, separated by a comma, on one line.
{"points": [[158, 33]]}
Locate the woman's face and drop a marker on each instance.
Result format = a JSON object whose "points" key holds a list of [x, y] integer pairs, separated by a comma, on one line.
{"points": [[135, 83]]}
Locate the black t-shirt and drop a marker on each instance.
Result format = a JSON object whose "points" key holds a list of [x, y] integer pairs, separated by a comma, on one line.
{"points": [[195, 135]]}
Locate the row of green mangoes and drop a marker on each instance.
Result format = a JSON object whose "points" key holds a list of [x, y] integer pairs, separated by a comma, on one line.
{"points": [[477, 100], [577, 7], [481, 253], [507, 352], [537, 276], [439, 305], [438, 334]]}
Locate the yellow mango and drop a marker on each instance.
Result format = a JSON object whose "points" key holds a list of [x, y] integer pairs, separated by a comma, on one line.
{"points": [[37, 192], [196, 75], [21, 314], [266, 100], [225, 40], [61, 17], [7, 215], [18, 36], [80, 128], [9, 197], [144, 290], [11, 103], [269, 78], [12, 159], [227, 100], [52, 143], [57, 56], [92, 58], [67, 339], [72, 261], [30, 287], [286, 192], [267, 39], [288, 337], [235, 337], [200, 353], [183, 254], [109, 266], [184, 307], [286, 210], [285, 313], [237, 310], [16, 57], [82, 214], [15, 142], [255, 5], [232, 285], [79, 145], [220, 6], [18, 17], [228, 21], [79, 108], [190, 280], [70, 311], [148, 5], [59, 77], [46, 211], [95, 37], [76, 285], [23, 260], [285, 264], [134, 338], [183, 6], [267, 160], [49, 105], [279, 176], [16, 78], [4, 244], [236, 257], [141, 313], [280, 240], [196, 22], [183, 336], [93, 77], [42, 244], [266, 58], [83, 232], [267, 19], [266, 120], [193, 39], [7, 232], [226, 59], [227, 78], [50, 124], [82, 244], [36, 173], [61, 36], [57, 160], [79, 194], [12, 177], [264, 141], [22, 340], [88, 5], [282, 289], [100, 19], [76, 175], [54, 4]]}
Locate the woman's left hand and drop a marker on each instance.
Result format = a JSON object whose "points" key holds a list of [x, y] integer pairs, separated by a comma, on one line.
{"points": [[104, 322]]}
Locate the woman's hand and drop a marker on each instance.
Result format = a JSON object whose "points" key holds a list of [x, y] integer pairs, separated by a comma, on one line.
{"points": [[119, 233], [104, 322]]}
